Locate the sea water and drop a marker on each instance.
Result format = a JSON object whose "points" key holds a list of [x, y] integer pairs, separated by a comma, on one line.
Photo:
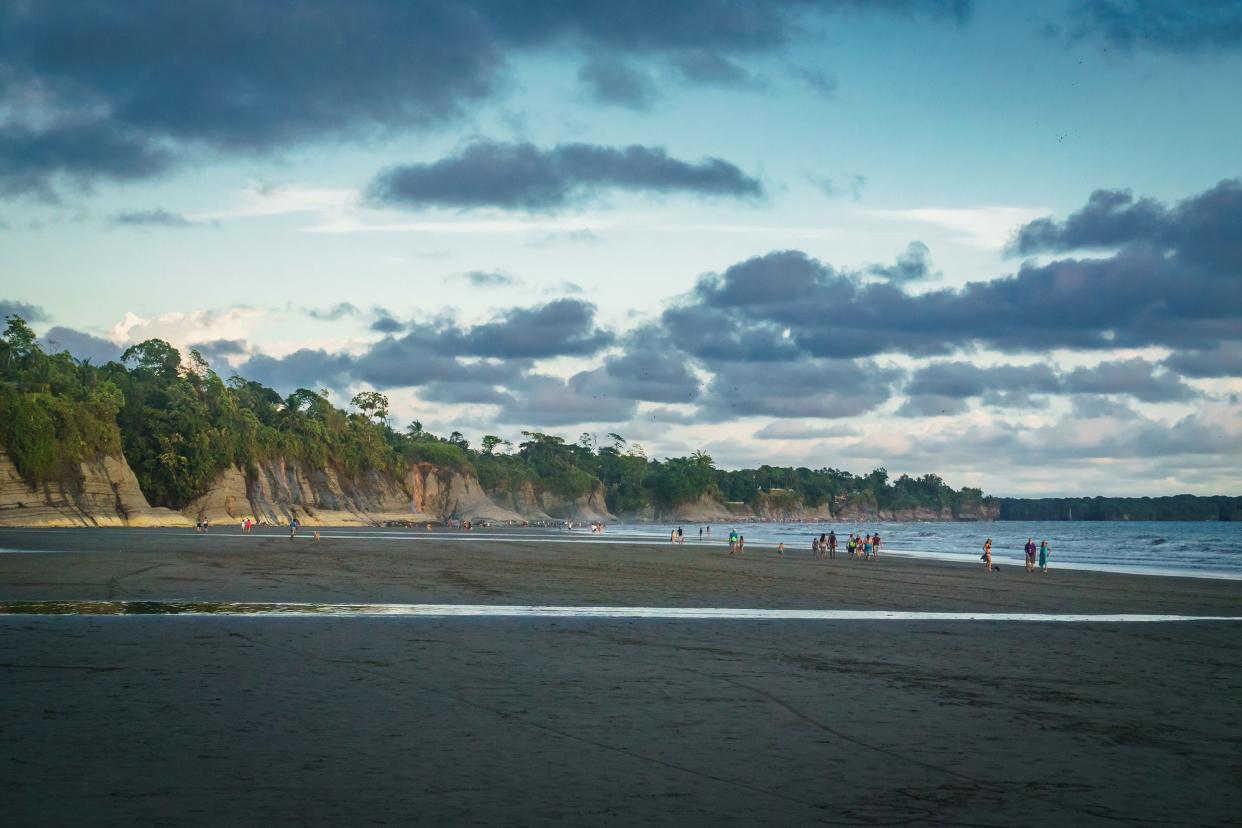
{"points": [[1212, 549]]}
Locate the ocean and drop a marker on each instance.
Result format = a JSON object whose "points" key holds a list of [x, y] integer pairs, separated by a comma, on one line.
{"points": [[1207, 549]]}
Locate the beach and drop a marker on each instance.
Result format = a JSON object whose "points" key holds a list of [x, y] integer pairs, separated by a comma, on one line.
{"points": [[112, 720]]}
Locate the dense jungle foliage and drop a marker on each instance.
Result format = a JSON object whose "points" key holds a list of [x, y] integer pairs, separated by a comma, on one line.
{"points": [[180, 425]]}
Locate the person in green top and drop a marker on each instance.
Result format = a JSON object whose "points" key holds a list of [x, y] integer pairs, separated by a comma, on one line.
{"points": [[1044, 549], [732, 541]]}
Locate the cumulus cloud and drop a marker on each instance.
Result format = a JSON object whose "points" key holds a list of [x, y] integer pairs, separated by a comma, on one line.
{"points": [[1173, 282], [1137, 377], [823, 388], [914, 265], [524, 177], [1222, 361], [27, 311]]}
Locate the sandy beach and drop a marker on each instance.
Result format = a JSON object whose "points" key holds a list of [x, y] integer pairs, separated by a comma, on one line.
{"points": [[113, 720]]}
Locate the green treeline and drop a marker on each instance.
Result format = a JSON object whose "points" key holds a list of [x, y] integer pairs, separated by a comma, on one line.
{"points": [[1175, 507], [179, 425]]}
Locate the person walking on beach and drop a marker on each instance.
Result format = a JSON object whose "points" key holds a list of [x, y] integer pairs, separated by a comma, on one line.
{"points": [[681, 536], [1044, 549], [875, 544], [823, 545], [987, 555], [741, 544], [732, 541], [867, 548], [700, 533], [832, 544], [1030, 554], [672, 536]]}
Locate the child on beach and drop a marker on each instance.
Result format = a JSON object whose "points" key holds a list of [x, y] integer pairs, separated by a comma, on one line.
{"points": [[780, 548]]}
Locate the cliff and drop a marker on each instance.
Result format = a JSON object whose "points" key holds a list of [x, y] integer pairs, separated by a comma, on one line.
{"points": [[101, 492], [536, 504], [283, 490]]}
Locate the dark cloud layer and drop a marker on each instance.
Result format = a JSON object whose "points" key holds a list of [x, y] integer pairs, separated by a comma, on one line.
{"points": [[164, 80], [943, 387], [27, 311], [1179, 26], [524, 177], [82, 345]]}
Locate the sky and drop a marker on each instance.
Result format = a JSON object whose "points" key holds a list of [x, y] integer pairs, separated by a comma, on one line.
{"points": [[998, 241]]}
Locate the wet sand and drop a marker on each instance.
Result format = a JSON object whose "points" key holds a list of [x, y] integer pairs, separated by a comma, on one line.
{"points": [[528, 721]]}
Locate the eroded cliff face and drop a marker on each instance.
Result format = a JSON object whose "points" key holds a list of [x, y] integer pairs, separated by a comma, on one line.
{"points": [[534, 504], [102, 492], [284, 490]]}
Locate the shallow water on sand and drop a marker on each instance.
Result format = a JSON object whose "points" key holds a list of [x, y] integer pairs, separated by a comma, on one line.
{"points": [[1155, 547]]}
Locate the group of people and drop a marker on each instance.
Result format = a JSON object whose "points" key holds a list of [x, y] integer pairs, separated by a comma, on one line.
{"points": [[1031, 551]]}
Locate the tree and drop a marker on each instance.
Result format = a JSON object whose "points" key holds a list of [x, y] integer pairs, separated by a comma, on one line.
{"points": [[156, 356], [490, 441], [371, 404]]}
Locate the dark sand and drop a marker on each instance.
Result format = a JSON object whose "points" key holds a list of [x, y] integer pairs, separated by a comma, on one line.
{"points": [[332, 720]]}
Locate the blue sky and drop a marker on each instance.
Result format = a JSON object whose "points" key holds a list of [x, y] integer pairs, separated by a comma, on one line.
{"points": [[783, 232]]}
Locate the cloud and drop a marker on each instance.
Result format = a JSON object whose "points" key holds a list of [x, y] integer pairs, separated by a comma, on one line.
{"points": [[1136, 377], [166, 81], [712, 69], [337, 311], [827, 388], [219, 351], [820, 82], [988, 228], [932, 405], [802, 430], [1174, 284], [31, 313], [499, 351], [1159, 25], [182, 328], [386, 324], [851, 185], [524, 177], [79, 151], [82, 345], [485, 278], [304, 368], [1222, 361], [159, 217], [562, 327], [550, 401], [613, 81], [914, 265], [959, 380]]}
